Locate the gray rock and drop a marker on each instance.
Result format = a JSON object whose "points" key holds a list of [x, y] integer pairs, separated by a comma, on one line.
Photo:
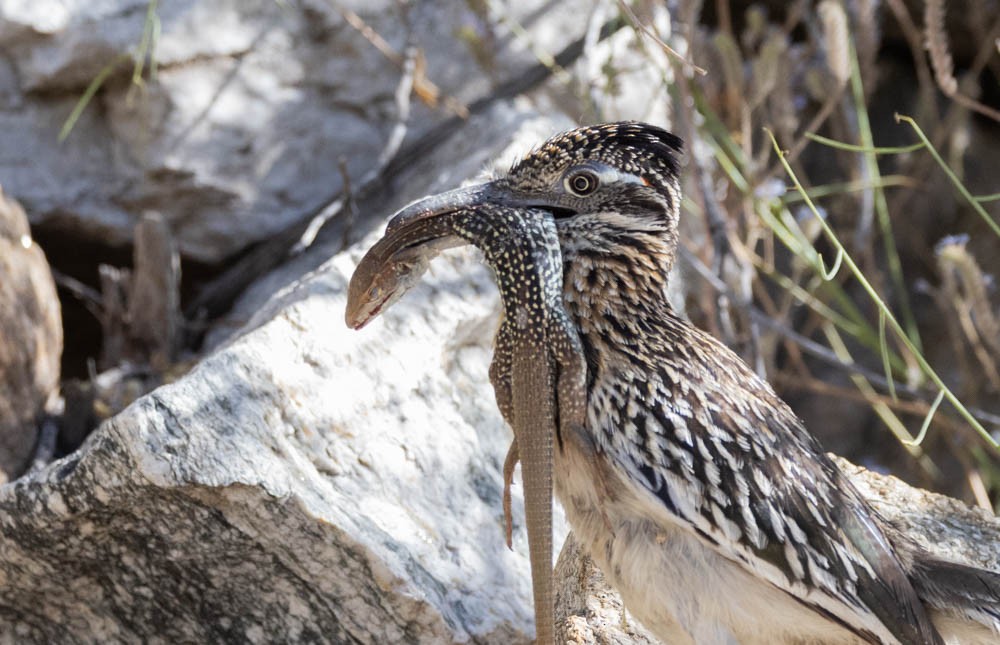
{"points": [[253, 106], [491, 140], [588, 610], [30, 338], [940, 524]]}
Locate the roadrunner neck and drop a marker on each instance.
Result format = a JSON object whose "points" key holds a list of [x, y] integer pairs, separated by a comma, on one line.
{"points": [[616, 277]]}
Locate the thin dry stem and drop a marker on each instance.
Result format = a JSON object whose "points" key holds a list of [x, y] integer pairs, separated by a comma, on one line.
{"points": [[423, 87], [656, 39], [941, 60], [915, 41]]}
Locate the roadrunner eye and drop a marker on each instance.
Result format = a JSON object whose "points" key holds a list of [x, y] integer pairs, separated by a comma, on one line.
{"points": [[581, 183]]}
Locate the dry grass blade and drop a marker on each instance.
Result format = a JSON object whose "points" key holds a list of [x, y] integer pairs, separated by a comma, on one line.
{"points": [[941, 60], [835, 39], [915, 40], [839, 52], [877, 300], [937, 46], [965, 294]]}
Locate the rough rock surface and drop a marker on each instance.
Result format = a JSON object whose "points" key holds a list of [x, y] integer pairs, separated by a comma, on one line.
{"points": [[588, 611], [304, 482], [944, 526], [254, 104], [30, 338]]}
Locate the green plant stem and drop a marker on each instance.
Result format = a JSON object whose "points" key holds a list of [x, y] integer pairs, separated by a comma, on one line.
{"points": [[877, 300], [730, 158], [839, 188], [884, 351], [88, 95], [150, 35], [850, 147], [145, 49], [927, 420], [884, 412], [881, 205], [963, 191]]}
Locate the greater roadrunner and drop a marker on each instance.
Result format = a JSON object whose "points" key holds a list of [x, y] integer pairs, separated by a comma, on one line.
{"points": [[692, 485]]}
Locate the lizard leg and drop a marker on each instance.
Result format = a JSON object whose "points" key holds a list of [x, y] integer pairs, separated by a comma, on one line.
{"points": [[500, 373], [508, 477], [500, 377]]}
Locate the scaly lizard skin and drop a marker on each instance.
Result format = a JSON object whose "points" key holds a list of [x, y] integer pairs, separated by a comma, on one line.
{"points": [[389, 279], [538, 372]]}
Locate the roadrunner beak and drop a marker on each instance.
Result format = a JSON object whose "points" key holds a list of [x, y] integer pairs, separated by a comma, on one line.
{"points": [[415, 235], [434, 206]]}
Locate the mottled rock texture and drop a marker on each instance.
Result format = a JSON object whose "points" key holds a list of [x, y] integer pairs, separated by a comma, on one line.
{"points": [[589, 612], [944, 526], [30, 338]]}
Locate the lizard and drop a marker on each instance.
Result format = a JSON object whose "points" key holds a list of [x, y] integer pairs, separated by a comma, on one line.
{"points": [[538, 372]]}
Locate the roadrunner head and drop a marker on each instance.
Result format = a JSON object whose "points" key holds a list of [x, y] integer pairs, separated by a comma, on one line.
{"points": [[613, 189], [628, 168]]}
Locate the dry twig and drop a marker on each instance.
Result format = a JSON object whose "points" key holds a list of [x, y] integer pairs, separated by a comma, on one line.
{"points": [[423, 87], [941, 60], [656, 39]]}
